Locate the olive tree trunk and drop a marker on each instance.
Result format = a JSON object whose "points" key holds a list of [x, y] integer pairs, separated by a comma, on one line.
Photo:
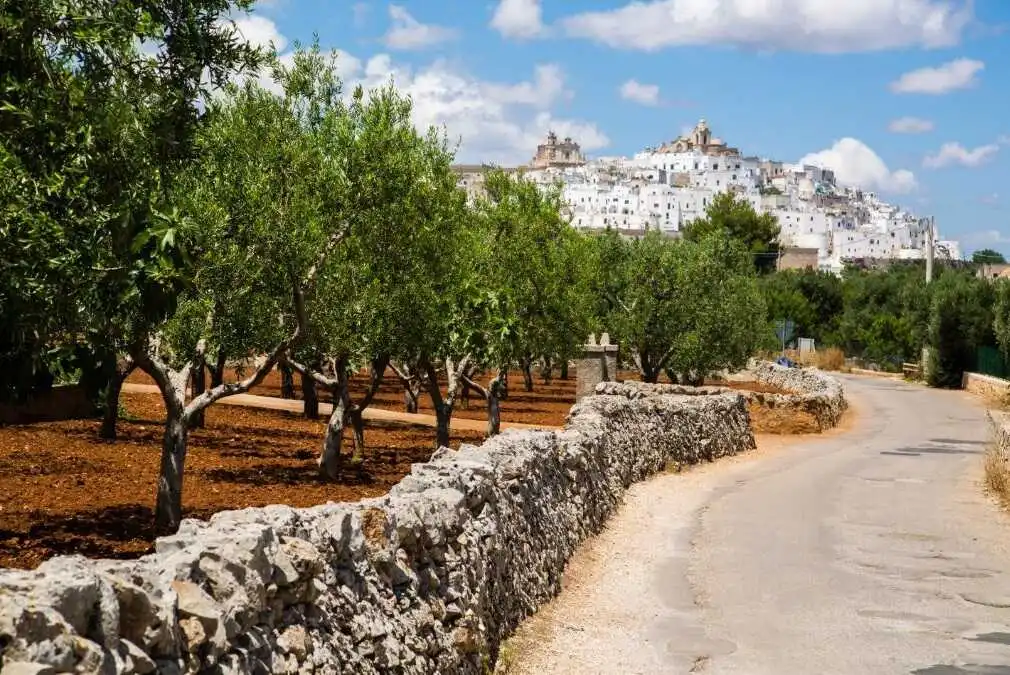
{"points": [[217, 370], [199, 382], [330, 459], [172, 384], [444, 405], [287, 380], [527, 367], [110, 416], [310, 397]]}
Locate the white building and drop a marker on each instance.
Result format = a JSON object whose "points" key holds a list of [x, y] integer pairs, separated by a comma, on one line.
{"points": [[667, 187]]}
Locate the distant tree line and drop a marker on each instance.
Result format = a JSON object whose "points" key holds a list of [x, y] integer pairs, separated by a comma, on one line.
{"points": [[887, 316]]}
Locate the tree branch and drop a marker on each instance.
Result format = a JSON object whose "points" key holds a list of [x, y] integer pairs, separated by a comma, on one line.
{"points": [[378, 372], [232, 388], [317, 377], [484, 394]]}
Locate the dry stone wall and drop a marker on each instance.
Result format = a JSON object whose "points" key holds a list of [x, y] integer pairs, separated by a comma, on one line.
{"points": [[999, 431], [987, 386], [428, 579], [811, 392]]}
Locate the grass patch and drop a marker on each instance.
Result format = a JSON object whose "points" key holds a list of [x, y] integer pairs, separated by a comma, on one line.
{"points": [[508, 658], [997, 475]]}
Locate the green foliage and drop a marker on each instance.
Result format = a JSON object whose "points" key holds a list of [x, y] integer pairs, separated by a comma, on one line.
{"points": [[1001, 316], [538, 267], [988, 256], [960, 320], [813, 300], [737, 219], [94, 130], [686, 307]]}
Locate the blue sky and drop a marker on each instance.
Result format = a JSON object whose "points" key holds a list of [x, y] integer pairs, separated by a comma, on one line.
{"points": [[907, 97]]}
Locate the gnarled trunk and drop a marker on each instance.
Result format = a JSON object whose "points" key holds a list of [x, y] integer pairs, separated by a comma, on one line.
{"points": [[547, 371], [330, 459], [358, 426], [310, 397], [199, 379], [494, 391], [168, 508], [217, 371], [564, 369], [527, 366], [287, 380], [410, 394], [113, 389], [443, 417]]}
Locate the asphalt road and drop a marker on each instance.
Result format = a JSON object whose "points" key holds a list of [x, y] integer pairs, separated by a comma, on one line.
{"points": [[871, 550]]}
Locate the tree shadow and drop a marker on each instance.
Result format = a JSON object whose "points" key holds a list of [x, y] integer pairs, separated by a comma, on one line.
{"points": [[969, 669], [267, 475], [120, 532], [928, 450]]}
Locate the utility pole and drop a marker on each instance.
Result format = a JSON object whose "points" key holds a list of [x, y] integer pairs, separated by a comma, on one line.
{"points": [[929, 250]]}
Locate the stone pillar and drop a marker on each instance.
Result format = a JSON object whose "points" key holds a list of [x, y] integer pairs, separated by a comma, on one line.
{"points": [[598, 364]]}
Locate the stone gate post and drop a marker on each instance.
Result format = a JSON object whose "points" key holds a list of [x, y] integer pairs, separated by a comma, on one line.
{"points": [[598, 364]]}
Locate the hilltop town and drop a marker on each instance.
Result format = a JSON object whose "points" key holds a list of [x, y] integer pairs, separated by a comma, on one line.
{"points": [[823, 224]]}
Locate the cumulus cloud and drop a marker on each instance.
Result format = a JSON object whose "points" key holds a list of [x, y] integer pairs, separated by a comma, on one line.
{"points": [[646, 94], [409, 33], [953, 75], [796, 25], [494, 122], [260, 32], [518, 18], [546, 88], [956, 154], [856, 165], [909, 125]]}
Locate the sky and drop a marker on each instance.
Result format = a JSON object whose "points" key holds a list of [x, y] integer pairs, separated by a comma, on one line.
{"points": [[908, 98]]}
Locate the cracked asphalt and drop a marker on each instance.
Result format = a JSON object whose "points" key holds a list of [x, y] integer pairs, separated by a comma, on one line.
{"points": [[870, 550]]}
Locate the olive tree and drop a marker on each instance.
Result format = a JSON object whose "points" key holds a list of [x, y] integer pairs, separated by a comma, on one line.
{"points": [[95, 130], [367, 291], [686, 308], [529, 262], [266, 218]]}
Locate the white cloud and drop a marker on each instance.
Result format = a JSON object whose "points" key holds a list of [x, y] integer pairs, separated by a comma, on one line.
{"points": [[409, 33], [823, 26], [909, 125], [495, 122], [646, 94], [260, 31], [953, 75], [955, 153], [518, 18], [547, 87], [855, 164]]}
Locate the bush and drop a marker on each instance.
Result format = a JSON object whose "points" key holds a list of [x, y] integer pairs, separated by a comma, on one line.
{"points": [[960, 321]]}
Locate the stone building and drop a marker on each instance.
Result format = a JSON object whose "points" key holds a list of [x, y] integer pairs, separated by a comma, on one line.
{"points": [[555, 154], [701, 140]]}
